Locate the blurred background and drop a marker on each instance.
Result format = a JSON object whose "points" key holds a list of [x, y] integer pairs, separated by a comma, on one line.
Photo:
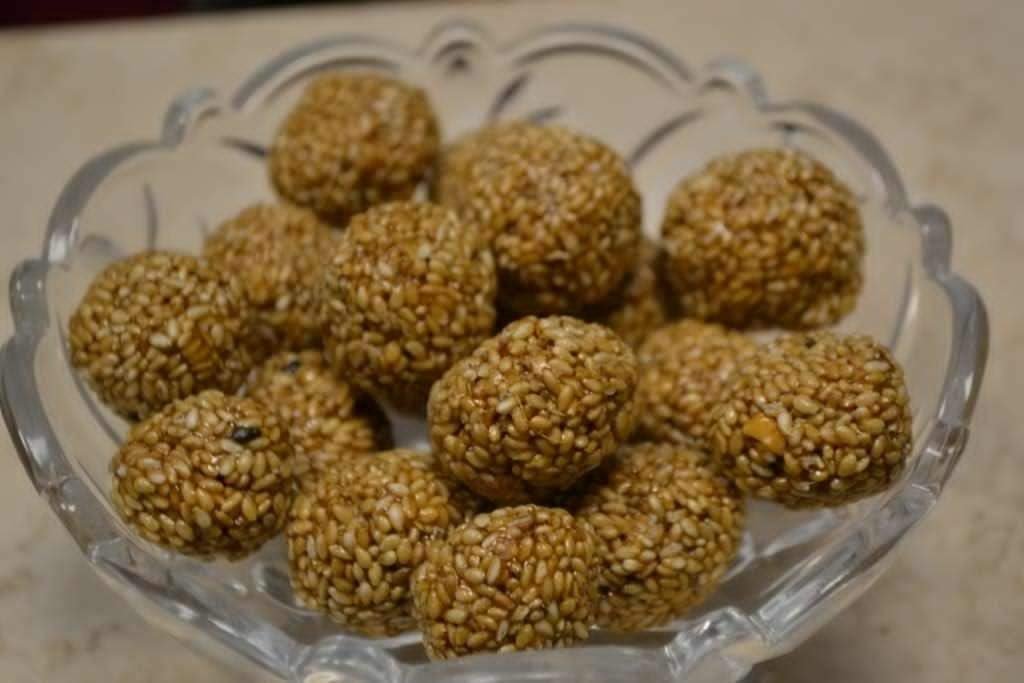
{"points": [[36, 12]]}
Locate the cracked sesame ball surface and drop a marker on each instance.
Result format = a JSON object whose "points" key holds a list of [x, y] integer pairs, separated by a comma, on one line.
{"points": [[517, 578], [560, 210], [767, 237], [277, 252], [329, 420], [356, 536], [534, 408], [156, 327], [639, 307], [683, 372], [406, 294], [353, 141], [207, 475], [814, 419], [668, 527]]}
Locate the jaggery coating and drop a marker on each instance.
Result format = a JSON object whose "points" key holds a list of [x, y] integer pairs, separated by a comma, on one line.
{"points": [[354, 141], [517, 578], [356, 536], [668, 528], [405, 296], [684, 368], [207, 475], [330, 421], [277, 251], [640, 306], [156, 327], [534, 408], [814, 419], [559, 208], [765, 238]]}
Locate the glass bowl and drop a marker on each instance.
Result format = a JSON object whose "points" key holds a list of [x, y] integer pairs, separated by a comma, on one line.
{"points": [[796, 570]]}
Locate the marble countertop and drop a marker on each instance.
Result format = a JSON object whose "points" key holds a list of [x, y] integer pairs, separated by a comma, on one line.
{"points": [[937, 80]]}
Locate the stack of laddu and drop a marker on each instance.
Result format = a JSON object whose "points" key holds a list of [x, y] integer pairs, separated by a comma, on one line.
{"points": [[596, 408]]}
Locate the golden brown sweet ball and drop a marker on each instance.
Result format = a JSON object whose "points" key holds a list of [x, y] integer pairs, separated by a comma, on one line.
{"points": [[814, 419], [405, 296], [159, 326], [356, 536], [684, 368], [559, 208], [207, 475], [668, 527], [354, 140], [518, 578], [329, 420], [533, 409], [764, 238], [277, 251], [640, 306]]}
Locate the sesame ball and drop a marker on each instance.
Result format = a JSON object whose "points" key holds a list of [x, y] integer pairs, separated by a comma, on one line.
{"points": [[518, 578], [814, 419], [207, 475], [667, 529], [768, 237], [352, 141], [277, 252], [158, 326], [639, 307], [355, 537], [560, 209], [407, 293], [683, 372], [534, 408], [329, 420]]}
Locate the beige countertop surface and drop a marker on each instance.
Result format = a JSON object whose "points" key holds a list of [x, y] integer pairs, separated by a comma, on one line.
{"points": [[939, 81]]}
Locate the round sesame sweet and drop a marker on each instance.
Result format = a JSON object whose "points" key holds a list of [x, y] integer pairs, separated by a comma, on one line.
{"points": [[768, 237], [559, 208], [533, 409], [356, 536], [814, 419], [352, 141], [518, 578], [683, 371], [406, 294], [277, 251], [207, 475], [329, 421], [667, 529], [639, 307], [157, 327]]}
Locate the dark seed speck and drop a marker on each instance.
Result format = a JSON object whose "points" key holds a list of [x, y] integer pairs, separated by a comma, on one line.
{"points": [[244, 435]]}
